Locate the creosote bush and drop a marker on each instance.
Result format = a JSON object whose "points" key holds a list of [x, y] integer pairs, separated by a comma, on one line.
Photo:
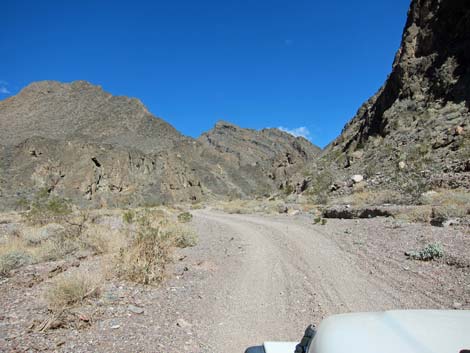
{"points": [[149, 250], [145, 259]]}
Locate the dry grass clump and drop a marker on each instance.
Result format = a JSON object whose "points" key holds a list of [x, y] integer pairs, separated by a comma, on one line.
{"points": [[250, 206], [149, 250], [145, 258], [183, 237], [417, 214], [13, 260], [72, 289], [448, 203], [101, 240], [236, 207], [372, 198], [143, 246]]}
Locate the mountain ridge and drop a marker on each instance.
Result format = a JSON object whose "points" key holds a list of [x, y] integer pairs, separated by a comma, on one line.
{"points": [[79, 141]]}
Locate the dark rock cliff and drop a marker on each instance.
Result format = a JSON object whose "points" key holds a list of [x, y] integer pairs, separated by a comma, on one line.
{"points": [[419, 121]]}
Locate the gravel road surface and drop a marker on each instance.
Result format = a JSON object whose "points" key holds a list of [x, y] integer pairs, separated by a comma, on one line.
{"points": [[285, 274], [250, 279]]}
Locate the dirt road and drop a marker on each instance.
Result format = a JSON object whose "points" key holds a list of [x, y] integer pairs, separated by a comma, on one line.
{"points": [[279, 275], [249, 279]]}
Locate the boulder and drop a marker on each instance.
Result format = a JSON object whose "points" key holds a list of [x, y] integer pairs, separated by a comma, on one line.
{"points": [[357, 178]]}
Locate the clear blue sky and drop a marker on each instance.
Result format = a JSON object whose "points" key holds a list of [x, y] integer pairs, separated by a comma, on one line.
{"points": [[256, 63]]}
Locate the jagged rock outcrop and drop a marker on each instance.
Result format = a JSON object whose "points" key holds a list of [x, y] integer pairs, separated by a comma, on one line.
{"points": [[99, 150], [418, 123], [264, 158]]}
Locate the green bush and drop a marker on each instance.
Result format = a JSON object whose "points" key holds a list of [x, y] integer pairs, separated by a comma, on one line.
{"points": [[319, 188], [13, 260], [185, 217], [128, 216], [46, 208], [428, 253]]}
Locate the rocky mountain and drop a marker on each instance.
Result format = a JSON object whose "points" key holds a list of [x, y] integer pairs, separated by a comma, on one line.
{"points": [[415, 131], [80, 142], [270, 155]]}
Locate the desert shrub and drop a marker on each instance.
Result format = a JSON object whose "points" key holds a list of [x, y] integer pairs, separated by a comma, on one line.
{"points": [[71, 289], [422, 214], [449, 211], [144, 260], [236, 207], [22, 203], [319, 187], [410, 183], [148, 251], [13, 260], [428, 253], [56, 248], [374, 197], [448, 203], [102, 240], [128, 216], [196, 206], [46, 208], [184, 238], [319, 220], [288, 189], [185, 217]]}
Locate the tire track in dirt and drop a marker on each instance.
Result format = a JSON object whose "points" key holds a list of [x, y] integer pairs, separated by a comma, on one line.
{"points": [[288, 276]]}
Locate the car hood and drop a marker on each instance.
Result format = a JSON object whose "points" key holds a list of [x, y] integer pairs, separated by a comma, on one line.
{"points": [[409, 331]]}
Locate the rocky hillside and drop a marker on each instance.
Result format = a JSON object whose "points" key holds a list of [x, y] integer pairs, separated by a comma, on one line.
{"points": [[415, 132], [270, 155], [80, 142]]}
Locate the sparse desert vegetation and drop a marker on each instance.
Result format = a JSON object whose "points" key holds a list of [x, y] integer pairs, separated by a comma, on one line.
{"points": [[118, 233], [72, 289], [112, 245]]}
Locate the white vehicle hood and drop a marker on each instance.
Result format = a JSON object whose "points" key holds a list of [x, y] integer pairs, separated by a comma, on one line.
{"points": [[279, 347], [413, 331]]}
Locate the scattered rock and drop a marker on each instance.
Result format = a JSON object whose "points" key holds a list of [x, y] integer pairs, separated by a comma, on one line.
{"points": [[183, 323], [402, 165], [357, 178], [282, 209], [457, 305], [135, 309], [334, 187], [451, 222]]}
